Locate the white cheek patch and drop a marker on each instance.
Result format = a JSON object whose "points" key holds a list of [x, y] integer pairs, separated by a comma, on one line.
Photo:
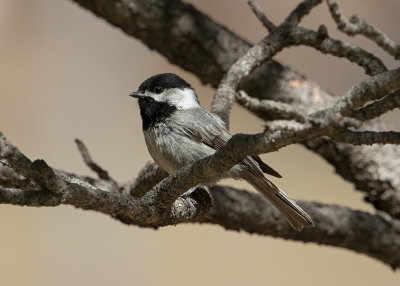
{"points": [[155, 96], [181, 98]]}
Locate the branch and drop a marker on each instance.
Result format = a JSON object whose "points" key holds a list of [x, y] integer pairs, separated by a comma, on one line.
{"points": [[357, 26], [37, 172], [9, 178], [335, 225]]}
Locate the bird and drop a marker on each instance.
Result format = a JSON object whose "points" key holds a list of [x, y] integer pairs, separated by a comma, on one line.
{"points": [[178, 131]]}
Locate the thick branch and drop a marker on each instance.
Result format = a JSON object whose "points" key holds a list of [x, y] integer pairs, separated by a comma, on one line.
{"points": [[238, 210], [146, 179], [335, 225]]}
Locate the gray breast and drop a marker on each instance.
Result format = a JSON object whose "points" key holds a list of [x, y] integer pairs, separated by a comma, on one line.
{"points": [[171, 149]]}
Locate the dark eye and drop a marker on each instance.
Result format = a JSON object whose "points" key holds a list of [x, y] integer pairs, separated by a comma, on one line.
{"points": [[158, 89]]}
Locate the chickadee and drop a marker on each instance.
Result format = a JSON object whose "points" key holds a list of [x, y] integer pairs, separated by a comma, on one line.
{"points": [[178, 132]]}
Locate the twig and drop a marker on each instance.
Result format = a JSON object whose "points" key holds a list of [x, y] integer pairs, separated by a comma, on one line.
{"points": [[103, 174], [372, 88], [367, 137], [269, 109], [370, 63], [302, 10], [357, 26], [256, 9], [378, 107]]}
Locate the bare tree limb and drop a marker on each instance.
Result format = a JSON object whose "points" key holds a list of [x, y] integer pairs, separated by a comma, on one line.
{"points": [[335, 225], [238, 210]]}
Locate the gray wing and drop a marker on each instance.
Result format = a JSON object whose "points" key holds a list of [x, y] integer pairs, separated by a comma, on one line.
{"points": [[209, 129]]}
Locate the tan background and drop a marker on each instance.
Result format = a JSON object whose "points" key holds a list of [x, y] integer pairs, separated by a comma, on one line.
{"points": [[65, 74]]}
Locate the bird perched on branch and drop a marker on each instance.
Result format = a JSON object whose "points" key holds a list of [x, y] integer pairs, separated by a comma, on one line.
{"points": [[178, 132]]}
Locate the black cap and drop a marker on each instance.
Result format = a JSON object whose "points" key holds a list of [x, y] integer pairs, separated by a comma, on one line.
{"points": [[164, 80]]}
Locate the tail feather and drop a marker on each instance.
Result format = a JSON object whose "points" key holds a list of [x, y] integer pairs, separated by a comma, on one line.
{"points": [[295, 215]]}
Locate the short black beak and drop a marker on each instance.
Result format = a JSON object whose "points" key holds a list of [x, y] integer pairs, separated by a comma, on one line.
{"points": [[137, 94]]}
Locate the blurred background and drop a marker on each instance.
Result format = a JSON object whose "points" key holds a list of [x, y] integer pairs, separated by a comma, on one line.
{"points": [[65, 74]]}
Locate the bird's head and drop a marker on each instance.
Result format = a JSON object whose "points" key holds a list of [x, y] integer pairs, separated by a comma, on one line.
{"points": [[167, 88]]}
